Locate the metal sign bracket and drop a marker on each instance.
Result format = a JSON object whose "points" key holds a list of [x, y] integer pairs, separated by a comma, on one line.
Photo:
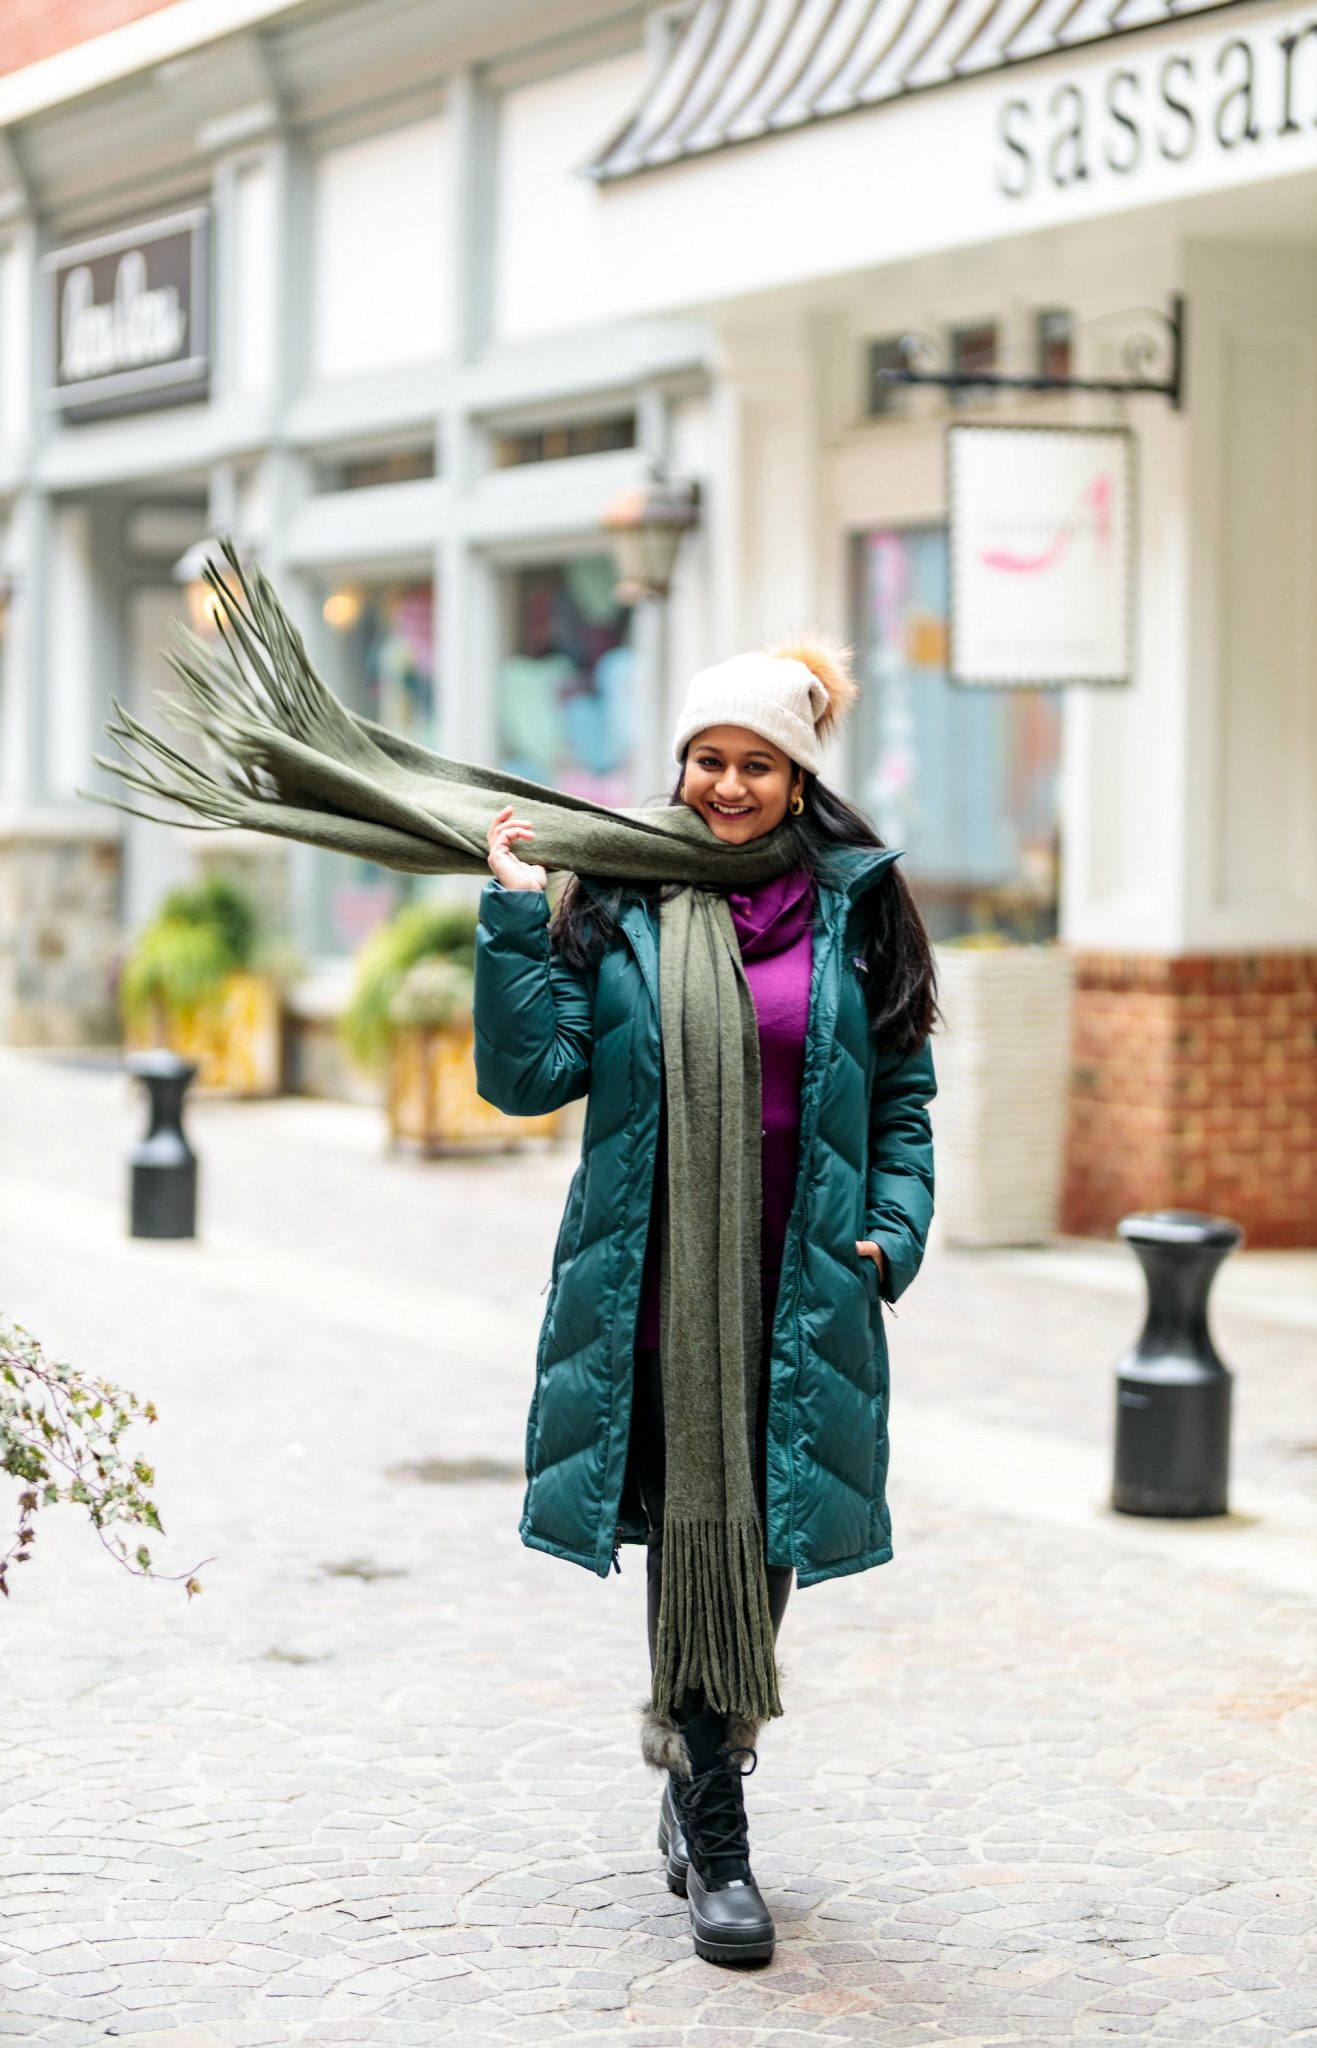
{"points": [[1139, 351]]}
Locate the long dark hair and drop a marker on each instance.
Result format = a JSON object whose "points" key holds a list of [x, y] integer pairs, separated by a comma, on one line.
{"points": [[887, 932]]}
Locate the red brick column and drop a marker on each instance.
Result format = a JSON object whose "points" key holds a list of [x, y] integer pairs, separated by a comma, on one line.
{"points": [[1194, 1086]]}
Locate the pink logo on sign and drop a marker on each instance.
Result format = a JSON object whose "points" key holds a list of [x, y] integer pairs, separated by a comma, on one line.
{"points": [[1096, 500]]}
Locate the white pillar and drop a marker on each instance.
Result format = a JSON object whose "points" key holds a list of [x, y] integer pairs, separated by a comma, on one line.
{"points": [[1189, 808], [1123, 753], [765, 517], [1250, 844]]}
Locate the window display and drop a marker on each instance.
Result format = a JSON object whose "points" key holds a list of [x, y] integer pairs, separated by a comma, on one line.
{"points": [[965, 781], [566, 686], [378, 657]]}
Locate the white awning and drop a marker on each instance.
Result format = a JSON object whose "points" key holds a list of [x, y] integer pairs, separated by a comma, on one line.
{"points": [[740, 69]]}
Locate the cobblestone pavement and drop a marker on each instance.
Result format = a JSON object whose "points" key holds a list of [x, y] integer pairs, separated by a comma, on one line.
{"points": [[1040, 1780]]}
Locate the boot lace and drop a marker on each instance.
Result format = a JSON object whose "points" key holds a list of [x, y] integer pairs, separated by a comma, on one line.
{"points": [[713, 1815]]}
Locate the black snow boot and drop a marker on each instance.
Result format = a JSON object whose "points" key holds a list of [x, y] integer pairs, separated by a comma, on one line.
{"points": [[730, 1923], [663, 1747], [672, 1836]]}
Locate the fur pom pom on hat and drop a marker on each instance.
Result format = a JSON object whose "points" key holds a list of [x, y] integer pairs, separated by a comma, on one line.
{"points": [[794, 694]]}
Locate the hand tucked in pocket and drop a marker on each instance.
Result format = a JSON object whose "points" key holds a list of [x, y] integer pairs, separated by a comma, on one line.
{"points": [[868, 1250]]}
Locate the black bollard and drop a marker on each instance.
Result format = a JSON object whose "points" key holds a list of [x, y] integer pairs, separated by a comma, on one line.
{"points": [[164, 1201], [1172, 1389]]}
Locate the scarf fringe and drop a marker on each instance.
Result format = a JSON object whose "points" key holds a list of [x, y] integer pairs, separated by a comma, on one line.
{"points": [[715, 1628]]}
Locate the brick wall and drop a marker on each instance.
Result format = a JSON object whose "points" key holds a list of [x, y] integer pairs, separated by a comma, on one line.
{"points": [[1194, 1086], [30, 29]]}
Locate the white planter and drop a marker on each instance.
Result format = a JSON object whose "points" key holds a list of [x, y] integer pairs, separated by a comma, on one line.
{"points": [[1003, 1070]]}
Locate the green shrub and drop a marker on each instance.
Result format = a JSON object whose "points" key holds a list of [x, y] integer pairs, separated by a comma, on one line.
{"points": [[434, 995], [182, 958], [222, 907], [420, 931]]}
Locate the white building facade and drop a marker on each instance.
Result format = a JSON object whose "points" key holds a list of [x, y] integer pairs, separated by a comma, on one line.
{"points": [[446, 280]]}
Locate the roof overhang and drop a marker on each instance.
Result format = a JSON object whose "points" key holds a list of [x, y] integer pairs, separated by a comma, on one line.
{"points": [[1203, 124], [738, 70]]}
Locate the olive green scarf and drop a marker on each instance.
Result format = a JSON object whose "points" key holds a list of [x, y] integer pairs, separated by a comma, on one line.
{"points": [[284, 756]]}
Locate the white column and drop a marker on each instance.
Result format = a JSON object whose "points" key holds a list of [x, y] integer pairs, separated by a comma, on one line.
{"points": [[689, 627], [24, 346], [765, 517], [1123, 749], [1250, 848], [1189, 808], [466, 586], [24, 563]]}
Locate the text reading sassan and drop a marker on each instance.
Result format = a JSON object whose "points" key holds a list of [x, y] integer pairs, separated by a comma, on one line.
{"points": [[1235, 93]]}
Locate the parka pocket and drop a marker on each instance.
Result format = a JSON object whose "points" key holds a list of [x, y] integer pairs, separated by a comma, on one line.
{"points": [[869, 1276]]}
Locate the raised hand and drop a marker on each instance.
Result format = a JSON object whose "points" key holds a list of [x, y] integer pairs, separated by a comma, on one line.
{"points": [[512, 872]]}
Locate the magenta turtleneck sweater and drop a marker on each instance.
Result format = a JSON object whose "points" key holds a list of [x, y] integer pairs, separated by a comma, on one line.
{"points": [[775, 929]]}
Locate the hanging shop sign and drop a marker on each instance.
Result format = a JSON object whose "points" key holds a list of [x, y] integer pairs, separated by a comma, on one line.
{"points": [[129, 318], [1041, 552]]}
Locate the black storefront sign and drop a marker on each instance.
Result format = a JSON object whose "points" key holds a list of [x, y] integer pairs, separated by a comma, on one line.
{"points": [[130, 318]]}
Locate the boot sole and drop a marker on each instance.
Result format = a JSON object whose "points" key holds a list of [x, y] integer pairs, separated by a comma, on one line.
{"points": [[732, 1951], [676, 1866]]}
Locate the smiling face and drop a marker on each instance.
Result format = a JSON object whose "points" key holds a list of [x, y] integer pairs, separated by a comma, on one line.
{"points": [[739, 783]]}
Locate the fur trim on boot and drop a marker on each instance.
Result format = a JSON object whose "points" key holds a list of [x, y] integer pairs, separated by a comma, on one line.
{"points": [[662, 1743], [742, 1731]]}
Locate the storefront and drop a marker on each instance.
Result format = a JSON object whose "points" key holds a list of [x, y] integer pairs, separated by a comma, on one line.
{"points": [[274, 337], [459, 299], [1034, 191]]}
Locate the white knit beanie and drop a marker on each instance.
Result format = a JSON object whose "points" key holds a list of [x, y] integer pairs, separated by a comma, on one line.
{"points": [[792, 696]]}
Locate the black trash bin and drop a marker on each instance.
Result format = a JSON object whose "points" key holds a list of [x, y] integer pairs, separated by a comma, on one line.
{"points": [[1172, 1387], [164, 1166]]}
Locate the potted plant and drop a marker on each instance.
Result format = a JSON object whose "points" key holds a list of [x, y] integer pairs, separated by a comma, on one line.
{"points": [[411, 1014], [197, 980], [1003, 1067]]}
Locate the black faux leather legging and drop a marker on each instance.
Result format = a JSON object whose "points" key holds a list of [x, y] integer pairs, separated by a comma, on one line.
{"points": [[647, 1462]]}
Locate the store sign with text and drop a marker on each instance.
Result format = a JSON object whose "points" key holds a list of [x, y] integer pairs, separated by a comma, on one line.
{"points": [[1248, 91], [1041, 554], [129, 318]]}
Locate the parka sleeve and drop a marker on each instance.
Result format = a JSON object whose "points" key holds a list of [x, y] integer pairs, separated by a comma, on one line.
{"points": [[533, 1014], [899, 1185]]}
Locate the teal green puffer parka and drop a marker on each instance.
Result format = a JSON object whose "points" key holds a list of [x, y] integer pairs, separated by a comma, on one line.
{"points": [[546, 1034]]}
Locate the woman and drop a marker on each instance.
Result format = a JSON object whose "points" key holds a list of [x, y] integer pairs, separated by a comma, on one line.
{"points": [[840, 974], [712, 1370]]}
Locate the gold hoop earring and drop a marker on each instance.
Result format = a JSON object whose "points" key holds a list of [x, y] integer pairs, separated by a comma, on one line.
{"points": [[797, 804]]}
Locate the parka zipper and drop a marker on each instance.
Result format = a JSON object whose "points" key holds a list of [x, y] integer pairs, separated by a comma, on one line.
{"points": [[814, 1078], [653, 996]]}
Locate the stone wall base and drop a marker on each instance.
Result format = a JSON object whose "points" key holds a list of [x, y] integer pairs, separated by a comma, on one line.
{"points": [[1194, 1086], [59, 921]]}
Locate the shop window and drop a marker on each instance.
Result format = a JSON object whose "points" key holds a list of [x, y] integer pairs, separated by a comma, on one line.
{"points": [[1054, 342], [565, 440], [378, 657], [972, 351], [884, 398], [365, 472], [566, 685], [964, 780]]}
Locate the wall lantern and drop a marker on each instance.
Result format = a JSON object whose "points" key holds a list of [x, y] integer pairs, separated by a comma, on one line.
{"points": [[205, 610], [646, 525]]}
